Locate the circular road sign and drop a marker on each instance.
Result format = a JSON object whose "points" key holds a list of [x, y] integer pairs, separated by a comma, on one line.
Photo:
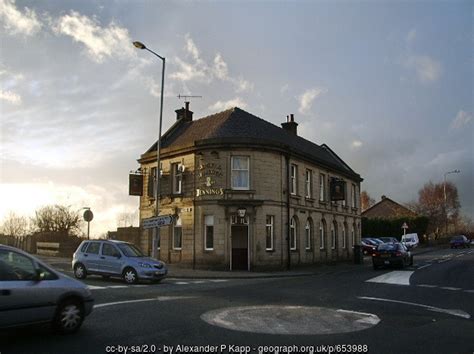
{"points": [[88, 216]]}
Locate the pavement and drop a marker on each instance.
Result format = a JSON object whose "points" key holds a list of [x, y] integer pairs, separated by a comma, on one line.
{"points": [[177, 271]]}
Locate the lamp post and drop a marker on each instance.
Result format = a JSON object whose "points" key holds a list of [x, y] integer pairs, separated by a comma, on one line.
{"points": [[445, 198], [156, 231], [88, 216]]}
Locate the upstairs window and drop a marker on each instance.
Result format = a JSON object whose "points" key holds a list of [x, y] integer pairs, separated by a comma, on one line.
{"points": [[308, 181], [354, 195], [293, 179], [240, 173], [322, 187], [177, 176], [152, 183]]}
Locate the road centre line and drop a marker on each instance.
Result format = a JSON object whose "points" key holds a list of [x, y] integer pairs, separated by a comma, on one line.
{"points": [[425, 266], [427, 286], [159, 298], [449, 288], [453, 312]]}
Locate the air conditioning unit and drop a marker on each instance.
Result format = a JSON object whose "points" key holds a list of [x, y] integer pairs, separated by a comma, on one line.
{"points": [[181, 168]]}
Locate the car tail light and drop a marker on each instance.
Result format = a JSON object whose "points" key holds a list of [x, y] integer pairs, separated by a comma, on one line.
{"points": [[375, 254], [398, 254]]}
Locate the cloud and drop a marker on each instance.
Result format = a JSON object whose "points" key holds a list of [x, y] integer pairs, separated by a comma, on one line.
{"points": [[284, 88], [462, 118], [356, 144], [427, 69], [411, 36], [101, 42], [16, 22], [223, 105], [10, 96], [198, 70], [307, 98]]}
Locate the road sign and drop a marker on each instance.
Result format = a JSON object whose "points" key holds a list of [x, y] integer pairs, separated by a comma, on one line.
{"points": [[157, 221], [88, 215], [404, 226]]}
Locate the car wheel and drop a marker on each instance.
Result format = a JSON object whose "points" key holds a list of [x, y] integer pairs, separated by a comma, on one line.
{"points": [[80, 271], [69, 316], [130, 276]]}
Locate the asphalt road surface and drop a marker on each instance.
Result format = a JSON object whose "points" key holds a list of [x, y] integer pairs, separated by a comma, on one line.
{"points": [[427, 308]]}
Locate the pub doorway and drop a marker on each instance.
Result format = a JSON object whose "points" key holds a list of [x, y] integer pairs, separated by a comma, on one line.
{"points": [[239, 244]]}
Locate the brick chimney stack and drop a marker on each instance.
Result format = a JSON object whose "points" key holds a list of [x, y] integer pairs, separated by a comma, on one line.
{"points": [[290, 125], [184, 113]]}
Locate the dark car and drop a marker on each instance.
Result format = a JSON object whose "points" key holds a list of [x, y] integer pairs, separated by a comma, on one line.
{"points": [[391, 254], [368, 246], [460, 241], [388, 239]]}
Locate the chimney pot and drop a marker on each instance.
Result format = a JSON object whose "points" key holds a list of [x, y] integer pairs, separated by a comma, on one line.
{"points": [[290, 125]]}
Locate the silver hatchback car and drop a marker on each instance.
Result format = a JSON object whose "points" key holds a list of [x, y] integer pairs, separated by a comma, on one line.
{"points": [[111, 258], [32, 292]]}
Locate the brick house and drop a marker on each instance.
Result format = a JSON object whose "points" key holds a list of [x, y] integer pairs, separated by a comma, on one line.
{"points": [[237, 185], [386, 208]]}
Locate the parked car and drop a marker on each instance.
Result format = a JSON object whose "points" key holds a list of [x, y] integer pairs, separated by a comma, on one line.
{"points": [[376, 240], [388, 239], [391, 254], [111, 258], [32, 292], [367, 246], [410, 240], [460, 241]]}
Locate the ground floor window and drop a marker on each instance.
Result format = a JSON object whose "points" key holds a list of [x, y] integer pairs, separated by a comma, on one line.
{"points": [[307, 229], [333, 237], [269, 233], [321, 235], [343, 236], [293, 234], [209, 232], [177, 234]]}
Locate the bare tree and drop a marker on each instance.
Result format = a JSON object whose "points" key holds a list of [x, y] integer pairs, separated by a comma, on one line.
{"points": [[432, 203], [366, 201], [57, 218], [15, 225], [125, 219]]}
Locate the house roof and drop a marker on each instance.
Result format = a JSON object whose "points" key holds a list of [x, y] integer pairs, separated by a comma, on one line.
{"points": [[238, 126], [387, 209]]}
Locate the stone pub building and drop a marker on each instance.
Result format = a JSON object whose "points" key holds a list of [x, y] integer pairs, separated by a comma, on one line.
{"points": [[246, 194]]}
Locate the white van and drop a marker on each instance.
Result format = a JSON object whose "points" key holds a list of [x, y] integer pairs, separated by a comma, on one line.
{"points": [[410, 240]]}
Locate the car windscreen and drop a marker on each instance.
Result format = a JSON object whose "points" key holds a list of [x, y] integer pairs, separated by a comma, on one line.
{"points": [[387, 247], [130, 250], [409, 239]]}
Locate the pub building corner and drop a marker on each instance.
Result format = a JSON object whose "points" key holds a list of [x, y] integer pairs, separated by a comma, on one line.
{"points": [[246, 194]]}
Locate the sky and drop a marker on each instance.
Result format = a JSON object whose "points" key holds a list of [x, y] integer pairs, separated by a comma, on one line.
{"points": [[388, 85]]}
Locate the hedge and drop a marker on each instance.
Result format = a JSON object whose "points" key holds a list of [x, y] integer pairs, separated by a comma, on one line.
{"points": [[378, 227]]}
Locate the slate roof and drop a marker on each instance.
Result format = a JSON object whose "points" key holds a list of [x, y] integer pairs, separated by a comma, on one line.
{"points": [[387, 209], [237, 125]]}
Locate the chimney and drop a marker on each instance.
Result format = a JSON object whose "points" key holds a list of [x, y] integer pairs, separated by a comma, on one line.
{"points": [[184, 113], [383, 197], [290, 125]]}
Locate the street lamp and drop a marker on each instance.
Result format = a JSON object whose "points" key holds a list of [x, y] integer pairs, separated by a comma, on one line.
{"points": [[445, 199], [156, 231]]}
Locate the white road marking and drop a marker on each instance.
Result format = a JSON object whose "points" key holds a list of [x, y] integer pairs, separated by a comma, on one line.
{"points": [[469, 291], [444, 260], [117, 286], [368, 318], [181, 283], [395, 277], [453, 312], [159, 298], [449, 288], [218, 280], [427, 286], [93, 287], [199, 282], [425, 266]]}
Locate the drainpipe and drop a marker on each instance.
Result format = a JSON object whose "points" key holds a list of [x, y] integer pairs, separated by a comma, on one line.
{"points": [[287, 159], [194, 211]]}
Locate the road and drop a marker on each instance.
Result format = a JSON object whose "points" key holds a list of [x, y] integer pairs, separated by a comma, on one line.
{"points": [[427, 308]]}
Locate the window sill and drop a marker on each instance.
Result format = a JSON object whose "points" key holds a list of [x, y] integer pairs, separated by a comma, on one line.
{"points": [[270, 250], [309, 250], [322, 202], [309, 199], [209, 250]]}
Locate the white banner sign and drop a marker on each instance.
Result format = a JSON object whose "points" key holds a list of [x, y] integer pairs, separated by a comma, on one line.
{"points": [[157, 221]]}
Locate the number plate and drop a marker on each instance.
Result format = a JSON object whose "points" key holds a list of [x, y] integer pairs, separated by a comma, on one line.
{"points": [[386, 262]]}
